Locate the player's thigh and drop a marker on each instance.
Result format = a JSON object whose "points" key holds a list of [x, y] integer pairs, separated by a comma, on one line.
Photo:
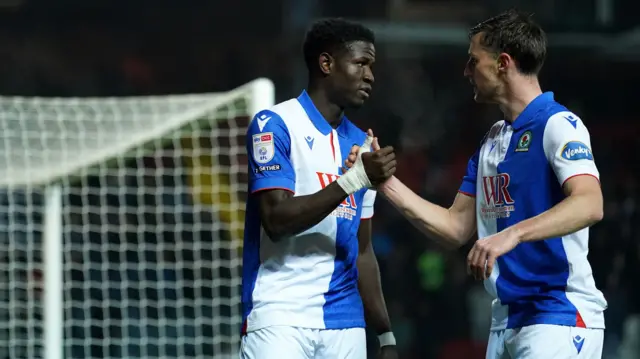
{"points": [[554, 341], [342, 343], [278, 342], [496, 346]]}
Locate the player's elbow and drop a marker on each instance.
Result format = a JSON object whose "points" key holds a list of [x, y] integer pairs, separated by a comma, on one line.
{"points": [[275, 231], [460, 229], [595, 206], [596, 214], [595, 218], [585, 195], [449, 240], [275, 219], [277, 228], [451, 244], [456, 242], [588, 209]]}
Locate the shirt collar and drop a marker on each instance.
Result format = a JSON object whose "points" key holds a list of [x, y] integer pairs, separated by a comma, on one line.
{"points": [[529, 113], [316, 117]]}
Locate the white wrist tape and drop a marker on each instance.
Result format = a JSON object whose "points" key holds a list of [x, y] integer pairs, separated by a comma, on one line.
{"points": [[366, 146], [356, 178], [386, 339]]}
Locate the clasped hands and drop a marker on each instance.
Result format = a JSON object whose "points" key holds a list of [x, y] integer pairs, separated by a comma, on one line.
{"points": [[379, 163]]}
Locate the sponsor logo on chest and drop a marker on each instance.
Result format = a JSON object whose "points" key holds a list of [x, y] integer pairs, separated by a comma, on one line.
{"points": [[498, 202], [348, 208]]}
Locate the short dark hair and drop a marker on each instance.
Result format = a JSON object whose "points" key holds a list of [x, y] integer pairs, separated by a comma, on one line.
{"points": [[332, 36], [516, 34]]}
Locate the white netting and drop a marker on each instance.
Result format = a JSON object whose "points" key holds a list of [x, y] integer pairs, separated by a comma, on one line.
{"points": [[153, 192]]}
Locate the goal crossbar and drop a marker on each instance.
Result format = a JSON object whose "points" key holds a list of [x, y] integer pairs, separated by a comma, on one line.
{"points": [[18, 171]]}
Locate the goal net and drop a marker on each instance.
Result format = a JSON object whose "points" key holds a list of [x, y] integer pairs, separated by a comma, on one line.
{"points": [[121, 224]]}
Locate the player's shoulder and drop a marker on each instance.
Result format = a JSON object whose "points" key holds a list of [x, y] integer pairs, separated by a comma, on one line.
{"points": [[565, 129], [494, 131], [287, 109], [273, 119], [558, 118], [267, 121]]}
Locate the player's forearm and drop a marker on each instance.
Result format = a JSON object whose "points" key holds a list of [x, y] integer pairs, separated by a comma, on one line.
{"points": [[432, 220], [370, 290], [297, 214], [574, 213]]}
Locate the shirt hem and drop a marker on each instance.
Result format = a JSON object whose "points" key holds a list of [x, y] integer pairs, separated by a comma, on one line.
{"points": [[286, 320], [560, 320]]}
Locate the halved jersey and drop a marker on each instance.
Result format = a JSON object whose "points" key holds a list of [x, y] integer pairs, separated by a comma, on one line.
{"points": [[308, 280], [518, 173]]}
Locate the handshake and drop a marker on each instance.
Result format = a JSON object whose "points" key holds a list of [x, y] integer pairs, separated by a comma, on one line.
{"points": [[366, 169]]}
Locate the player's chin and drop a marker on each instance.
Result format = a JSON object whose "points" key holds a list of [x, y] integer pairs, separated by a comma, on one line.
{"points": [[357, 102]]}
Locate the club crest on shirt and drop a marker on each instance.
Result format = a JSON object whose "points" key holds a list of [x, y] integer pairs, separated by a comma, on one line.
{"points": [[524, 142], [263, 148]]}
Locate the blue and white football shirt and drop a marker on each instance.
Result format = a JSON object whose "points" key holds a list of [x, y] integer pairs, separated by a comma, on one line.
{"points": [[310, 279], [518, 173]]}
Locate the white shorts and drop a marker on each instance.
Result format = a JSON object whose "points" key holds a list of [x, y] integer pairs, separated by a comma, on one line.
{"points": [[546, 341], [280, 342]]}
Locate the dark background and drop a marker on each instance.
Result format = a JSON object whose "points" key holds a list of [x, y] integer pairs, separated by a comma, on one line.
{"points": [[421, 104]]}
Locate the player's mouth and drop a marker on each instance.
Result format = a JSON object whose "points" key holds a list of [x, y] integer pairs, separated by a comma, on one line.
{"points": [[364, 92]]}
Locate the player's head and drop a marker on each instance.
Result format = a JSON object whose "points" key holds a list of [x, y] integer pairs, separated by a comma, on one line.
{"points": [[339, 55], [502, 48]]}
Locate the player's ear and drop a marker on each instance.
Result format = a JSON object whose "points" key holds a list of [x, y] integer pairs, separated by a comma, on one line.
{"points": [[325, 61], [504, 60]]}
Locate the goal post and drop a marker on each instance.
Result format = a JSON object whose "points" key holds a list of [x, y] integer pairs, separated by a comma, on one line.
{"points": [[121, 224], [53, 306]]}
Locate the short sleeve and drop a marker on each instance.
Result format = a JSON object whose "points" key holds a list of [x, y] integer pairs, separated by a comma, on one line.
{"points": [[470, 178], [367, 204], [567, 147], [269, 152]]}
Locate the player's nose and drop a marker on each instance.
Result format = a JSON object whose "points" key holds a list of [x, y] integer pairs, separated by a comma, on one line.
{"points": [[368, 76], [467, 71]]}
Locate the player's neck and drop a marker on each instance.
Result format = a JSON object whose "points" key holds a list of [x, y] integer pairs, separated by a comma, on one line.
{"points": [[518, 97], [331, 112]]}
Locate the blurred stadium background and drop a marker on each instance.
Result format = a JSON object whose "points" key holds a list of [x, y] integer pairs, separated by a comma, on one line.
{"points": [[152, 189]]}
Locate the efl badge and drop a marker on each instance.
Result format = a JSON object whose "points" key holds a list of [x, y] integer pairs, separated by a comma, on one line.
{"points": [[524, 142], [263, 149]]}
